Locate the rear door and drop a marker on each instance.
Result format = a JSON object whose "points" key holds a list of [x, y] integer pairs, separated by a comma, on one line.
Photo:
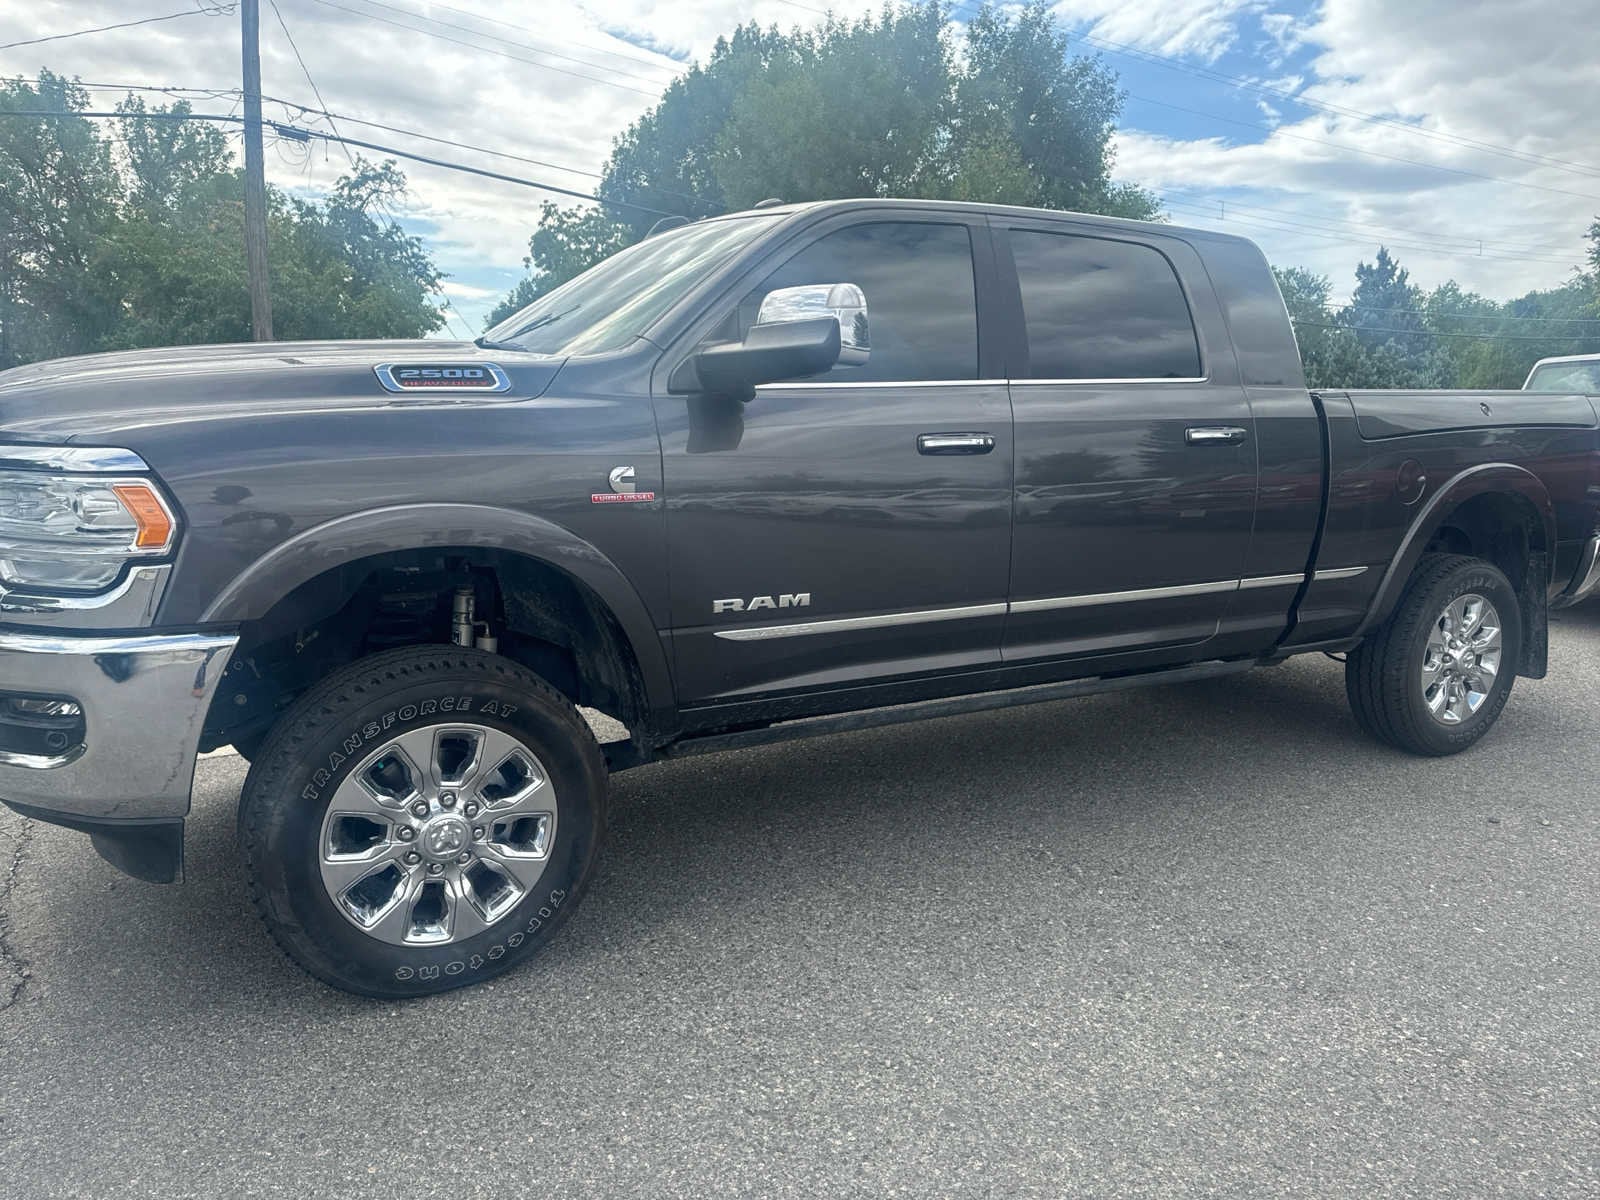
{"points": [[855, 527], [1136, 464]]}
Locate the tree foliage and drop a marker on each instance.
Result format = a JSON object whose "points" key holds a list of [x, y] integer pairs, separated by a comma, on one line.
{"points": [[110, 245], [1393, 334], [885, 105]]}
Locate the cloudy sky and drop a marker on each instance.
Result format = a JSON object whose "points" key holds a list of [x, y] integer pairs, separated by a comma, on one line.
{"points": [[1458, 132]]}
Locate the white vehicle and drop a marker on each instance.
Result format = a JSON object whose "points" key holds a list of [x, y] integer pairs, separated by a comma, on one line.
{"points": [[1573, 373]]}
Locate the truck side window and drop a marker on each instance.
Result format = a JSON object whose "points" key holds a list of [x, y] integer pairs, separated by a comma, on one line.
{"points": [[1101, 309], [918, 283]]}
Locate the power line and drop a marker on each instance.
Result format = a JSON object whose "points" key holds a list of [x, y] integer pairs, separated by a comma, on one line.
{"points": [[536, 49], [633, 58], [300, 134], [485, 49], [293, 106], [305, 70], [57, 37]]}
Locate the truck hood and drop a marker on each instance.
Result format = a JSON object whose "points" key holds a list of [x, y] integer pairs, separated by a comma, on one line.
{"points": [[100, 397]]}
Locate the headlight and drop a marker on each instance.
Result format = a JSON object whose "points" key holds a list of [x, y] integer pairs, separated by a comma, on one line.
{"points": [[77, 533]]}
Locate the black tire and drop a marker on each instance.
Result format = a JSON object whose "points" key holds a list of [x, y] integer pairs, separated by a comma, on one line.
{"points": [[1383, 675], [338, 727]]}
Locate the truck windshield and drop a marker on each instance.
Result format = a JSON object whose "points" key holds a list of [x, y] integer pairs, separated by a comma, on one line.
{"points": [[1566, 377], [614, 301]]}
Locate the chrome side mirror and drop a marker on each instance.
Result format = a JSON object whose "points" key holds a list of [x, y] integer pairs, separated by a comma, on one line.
{"points": [[844, 302]]}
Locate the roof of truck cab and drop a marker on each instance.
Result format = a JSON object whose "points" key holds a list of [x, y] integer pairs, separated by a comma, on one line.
{"points": [[1158, 228]]}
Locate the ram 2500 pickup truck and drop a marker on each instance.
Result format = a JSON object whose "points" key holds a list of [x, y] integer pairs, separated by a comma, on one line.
{"points": [[773, 474]]}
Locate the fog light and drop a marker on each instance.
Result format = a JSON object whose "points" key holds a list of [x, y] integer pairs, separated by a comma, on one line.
{"points": [[45, 708]]}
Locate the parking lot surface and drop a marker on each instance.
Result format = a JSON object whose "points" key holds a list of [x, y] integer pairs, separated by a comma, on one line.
{"points": [[1202, 940]]}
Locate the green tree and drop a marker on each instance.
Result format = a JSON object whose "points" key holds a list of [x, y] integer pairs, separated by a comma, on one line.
{"points": [[59, 192], [886, 104], [108, 247]]}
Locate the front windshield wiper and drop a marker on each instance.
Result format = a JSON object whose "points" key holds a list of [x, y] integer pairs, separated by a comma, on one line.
{"points": [[540, 323]]}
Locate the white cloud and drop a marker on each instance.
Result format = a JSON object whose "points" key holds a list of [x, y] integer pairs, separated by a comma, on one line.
{"points": [[1474, 77], [1492, 74], [1203, 28]]}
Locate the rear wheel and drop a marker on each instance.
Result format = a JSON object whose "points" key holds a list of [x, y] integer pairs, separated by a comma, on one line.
{"points": [[1435, 676], [423, 820]]}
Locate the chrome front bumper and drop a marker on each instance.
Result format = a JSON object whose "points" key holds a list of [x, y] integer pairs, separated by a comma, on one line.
{"points": [[144, 701]]}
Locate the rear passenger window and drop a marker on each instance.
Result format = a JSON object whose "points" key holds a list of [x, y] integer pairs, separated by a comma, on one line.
{"points": [[1100, 309], [921, 300]]}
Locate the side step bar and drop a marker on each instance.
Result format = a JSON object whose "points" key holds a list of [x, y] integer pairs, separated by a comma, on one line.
{"points": [[622, 756]]}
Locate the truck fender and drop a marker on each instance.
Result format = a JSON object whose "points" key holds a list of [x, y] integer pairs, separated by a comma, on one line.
{"points": [[344, 540], [1457, 490]]}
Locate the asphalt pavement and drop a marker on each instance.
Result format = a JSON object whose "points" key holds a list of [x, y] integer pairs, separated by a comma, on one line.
{"points": [[1201, 940]]}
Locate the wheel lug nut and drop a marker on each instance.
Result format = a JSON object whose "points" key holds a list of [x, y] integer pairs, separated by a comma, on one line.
{"points": [[413, 858], [420, 808], [447, 800], [470, 809], [407, 833], [464, 858], [435, 869], [477, 833]]}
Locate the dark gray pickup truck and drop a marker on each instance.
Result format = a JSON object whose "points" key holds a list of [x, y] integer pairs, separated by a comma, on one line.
{"points": [[775, 474]]}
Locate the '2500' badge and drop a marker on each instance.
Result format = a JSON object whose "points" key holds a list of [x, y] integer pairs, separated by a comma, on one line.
{"points": [[442, 377]]}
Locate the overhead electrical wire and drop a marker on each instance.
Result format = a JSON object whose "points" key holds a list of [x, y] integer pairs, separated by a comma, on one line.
{"points": [[297, 134], [637, 59], [536, 49], [486, 49], [203, 11]]}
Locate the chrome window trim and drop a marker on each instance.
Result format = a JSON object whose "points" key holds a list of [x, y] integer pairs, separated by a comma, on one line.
{"points": [[787, 386], [878, 383], [1120, 379], [85, 459], [759, 633], [385, 374]]}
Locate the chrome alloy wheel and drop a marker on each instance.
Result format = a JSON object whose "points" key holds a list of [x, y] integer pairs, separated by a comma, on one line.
{"points": [[1461, 659], [438, 835]]}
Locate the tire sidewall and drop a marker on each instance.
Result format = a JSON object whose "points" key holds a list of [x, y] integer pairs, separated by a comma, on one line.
{"points": [[1487, 581], [305, 789]]}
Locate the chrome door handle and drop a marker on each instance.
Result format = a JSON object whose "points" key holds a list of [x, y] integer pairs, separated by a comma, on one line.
{"points": [[1214, 435], [955, 443]]}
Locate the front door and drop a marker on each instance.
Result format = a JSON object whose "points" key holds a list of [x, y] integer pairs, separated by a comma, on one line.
{"points": [[829, 534], [1136, 463]]}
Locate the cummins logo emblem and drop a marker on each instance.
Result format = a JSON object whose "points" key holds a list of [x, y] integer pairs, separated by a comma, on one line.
{"points": [[623, 489], [787, 600]]}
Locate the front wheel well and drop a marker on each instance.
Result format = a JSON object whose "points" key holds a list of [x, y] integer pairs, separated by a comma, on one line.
{"points": [[529, 610]]}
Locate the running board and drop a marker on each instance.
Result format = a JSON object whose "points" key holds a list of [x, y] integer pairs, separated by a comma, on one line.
{"points": [[622, 756]]}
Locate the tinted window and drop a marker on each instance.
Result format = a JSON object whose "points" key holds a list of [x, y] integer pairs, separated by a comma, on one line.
{"points": [[1098, 309], [1566, 377], [921, 302]]}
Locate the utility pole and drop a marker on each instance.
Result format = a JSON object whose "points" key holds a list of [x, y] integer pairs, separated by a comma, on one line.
{"points": [[255, 182]]}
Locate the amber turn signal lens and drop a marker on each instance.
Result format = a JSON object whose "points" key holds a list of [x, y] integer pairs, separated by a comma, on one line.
{"points": [[155, 523]]}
